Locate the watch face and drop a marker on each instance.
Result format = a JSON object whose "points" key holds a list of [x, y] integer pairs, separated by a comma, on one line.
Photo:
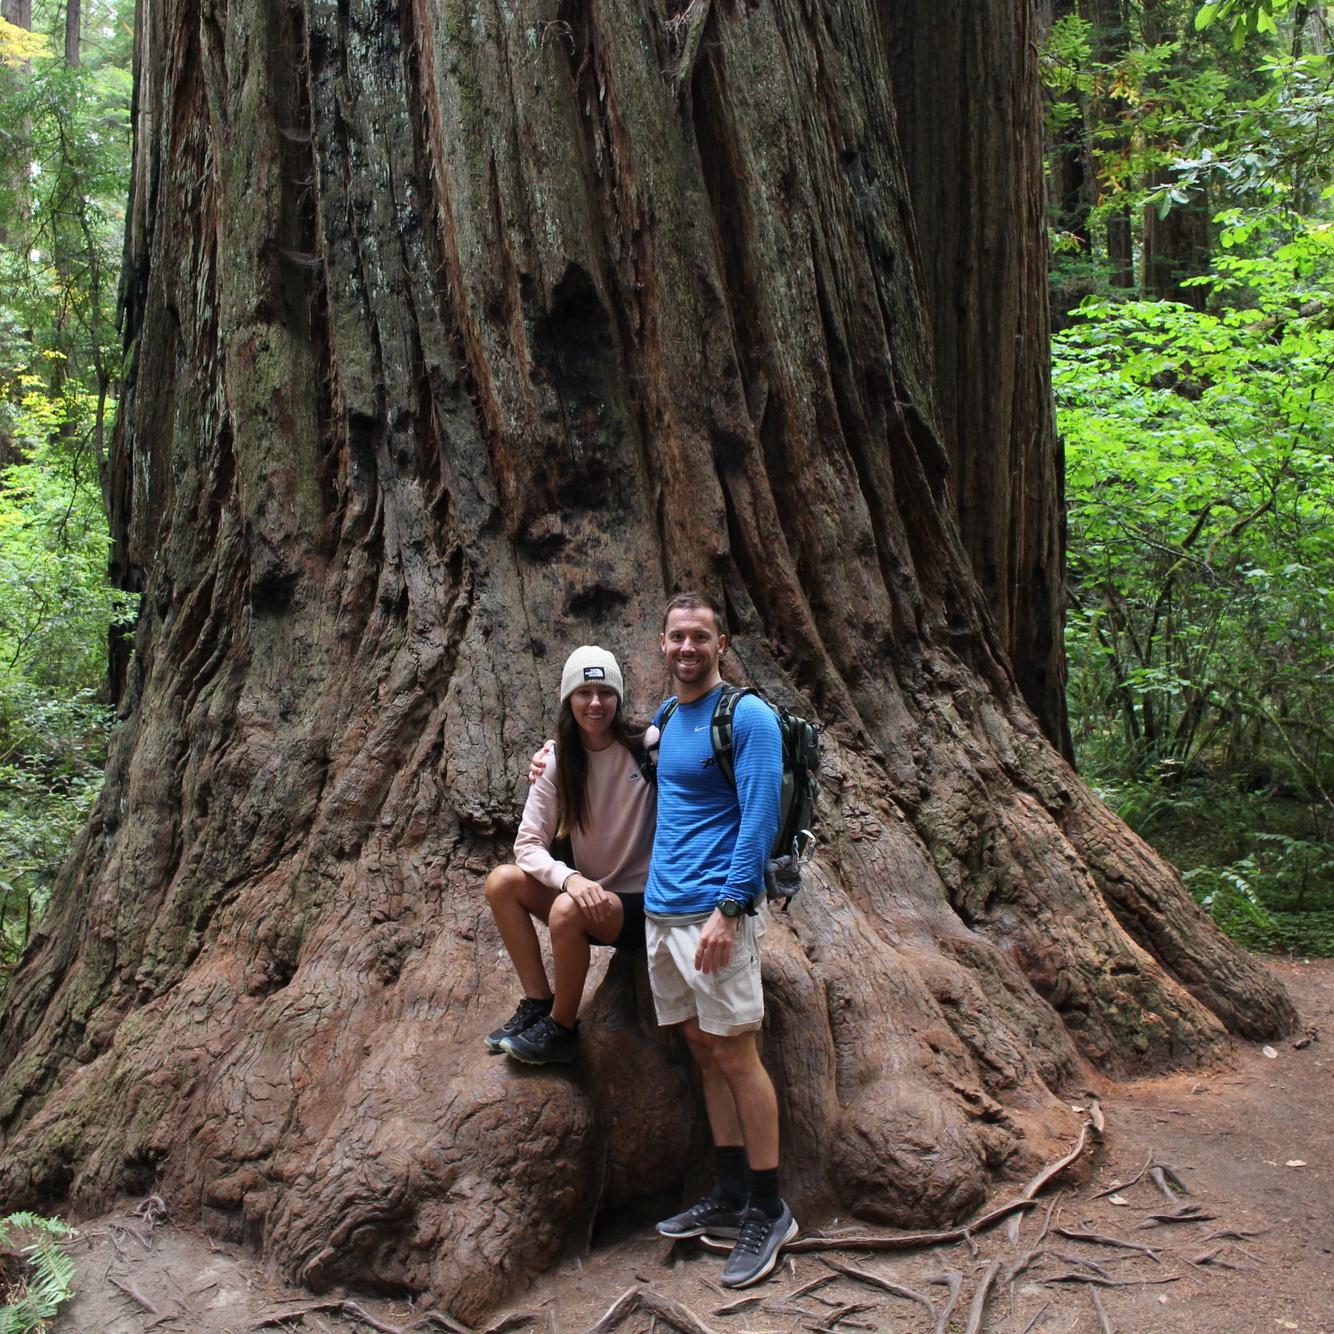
{"points": [[731, 908]]}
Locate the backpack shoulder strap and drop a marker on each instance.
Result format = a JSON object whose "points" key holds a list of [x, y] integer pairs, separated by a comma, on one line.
{"points": [[648, 764], [721, 732]]}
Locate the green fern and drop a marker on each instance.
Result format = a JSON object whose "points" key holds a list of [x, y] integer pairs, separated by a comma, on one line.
{"points": [[50, 1280]]}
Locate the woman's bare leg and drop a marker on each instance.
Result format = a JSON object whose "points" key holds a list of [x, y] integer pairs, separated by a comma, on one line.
{"points": [[570, 952], [515, 898]]}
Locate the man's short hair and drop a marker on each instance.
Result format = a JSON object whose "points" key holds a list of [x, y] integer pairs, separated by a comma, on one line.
{"points": [[694, 602]]}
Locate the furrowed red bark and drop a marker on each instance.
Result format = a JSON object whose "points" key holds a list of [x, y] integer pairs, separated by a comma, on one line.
{"points": [[459, 338]]}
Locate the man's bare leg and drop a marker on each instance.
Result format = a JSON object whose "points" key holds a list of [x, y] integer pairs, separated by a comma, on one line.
{"points": [[738, 1093]]}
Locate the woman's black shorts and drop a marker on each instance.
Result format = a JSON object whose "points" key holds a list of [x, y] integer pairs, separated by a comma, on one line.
{"points": [[632, 928]]}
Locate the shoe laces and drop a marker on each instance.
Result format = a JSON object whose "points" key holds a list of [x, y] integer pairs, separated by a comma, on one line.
{"points": [[754, 1229], [529, 1009], [710, 1204]]}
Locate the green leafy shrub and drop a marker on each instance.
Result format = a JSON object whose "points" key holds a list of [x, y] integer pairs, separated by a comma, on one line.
{"points": [[1200, 475]]}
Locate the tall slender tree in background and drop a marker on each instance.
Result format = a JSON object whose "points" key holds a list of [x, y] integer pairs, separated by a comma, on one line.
{"points": [[460, 334], [968, 101]]}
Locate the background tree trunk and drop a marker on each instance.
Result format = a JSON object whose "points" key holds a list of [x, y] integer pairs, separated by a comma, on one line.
{"points": [[969, 103], [459, 337]]}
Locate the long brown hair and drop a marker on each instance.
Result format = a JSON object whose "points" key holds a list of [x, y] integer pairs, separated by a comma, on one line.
{"points": [[572, 765]]}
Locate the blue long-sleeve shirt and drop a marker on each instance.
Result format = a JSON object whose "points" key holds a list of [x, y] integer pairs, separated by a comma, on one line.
{"points": [[712, 842]]}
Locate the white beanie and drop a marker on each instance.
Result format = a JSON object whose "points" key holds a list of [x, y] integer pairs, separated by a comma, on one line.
{"points": [[590, 665]]}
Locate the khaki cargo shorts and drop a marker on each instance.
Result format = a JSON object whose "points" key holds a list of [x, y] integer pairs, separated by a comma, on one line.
{"points": [[727, 1002]]}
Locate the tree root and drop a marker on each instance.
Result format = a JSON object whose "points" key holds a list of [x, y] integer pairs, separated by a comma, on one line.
{"points": [[910, 1241], [1187, 1213], [1073, 1277], [1125, 1185], [1028, 1327], [134, 1294], [693, 19], [977, 1312], [1164, 1176], [953, 1280], [645, 1299], [1100, 1239], [842, 1315], [1104, 1324], [875, 1281]]}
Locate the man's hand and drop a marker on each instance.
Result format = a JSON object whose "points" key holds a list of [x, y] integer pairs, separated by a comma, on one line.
{"points": [[593, 901], [715, 942], [537, 766]]}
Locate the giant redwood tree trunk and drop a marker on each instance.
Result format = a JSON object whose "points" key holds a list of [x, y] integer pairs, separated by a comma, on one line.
{"points": [[968, 96], [461, 332]]}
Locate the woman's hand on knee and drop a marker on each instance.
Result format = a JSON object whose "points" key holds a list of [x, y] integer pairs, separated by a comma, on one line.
{"points": [[595, 903]]}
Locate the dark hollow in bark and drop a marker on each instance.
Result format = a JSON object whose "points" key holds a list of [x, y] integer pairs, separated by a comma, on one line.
{"points": [[458, 337]]}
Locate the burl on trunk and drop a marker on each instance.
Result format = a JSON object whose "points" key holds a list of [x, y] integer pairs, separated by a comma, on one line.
{"points": [[459, 333]]}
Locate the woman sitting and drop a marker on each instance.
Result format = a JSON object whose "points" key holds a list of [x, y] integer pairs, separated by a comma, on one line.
{"points": [[593, 793]]}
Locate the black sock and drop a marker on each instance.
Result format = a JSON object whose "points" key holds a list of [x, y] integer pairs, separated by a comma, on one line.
{"points": [[731, 1166], [764, 1192]]}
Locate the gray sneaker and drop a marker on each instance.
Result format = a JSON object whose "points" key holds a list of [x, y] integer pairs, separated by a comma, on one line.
{"points": [[528, 1013], [757, 1247], [712, 1215]]}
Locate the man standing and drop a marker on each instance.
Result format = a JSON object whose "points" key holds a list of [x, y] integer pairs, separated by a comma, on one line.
{"points": [[706, 877]]}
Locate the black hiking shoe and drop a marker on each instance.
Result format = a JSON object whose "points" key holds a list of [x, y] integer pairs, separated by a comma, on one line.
{"points": [[528, 1013], [545, 1043], [712, 1215], [756, 1249]]}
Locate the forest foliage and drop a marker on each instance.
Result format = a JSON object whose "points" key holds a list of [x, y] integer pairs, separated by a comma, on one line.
{"points": [[1193, 290], [1194, 396], [64, 179]]}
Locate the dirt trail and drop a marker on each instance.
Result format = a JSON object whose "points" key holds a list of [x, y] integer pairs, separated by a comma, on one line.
{"points": [[1253, 1143]]}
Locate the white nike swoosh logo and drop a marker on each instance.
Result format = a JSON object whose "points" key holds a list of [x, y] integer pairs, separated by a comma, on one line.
{"points": [[701, 729]]}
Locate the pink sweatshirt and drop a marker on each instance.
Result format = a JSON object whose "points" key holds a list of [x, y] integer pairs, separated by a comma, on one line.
{"points": [[614, 845]]}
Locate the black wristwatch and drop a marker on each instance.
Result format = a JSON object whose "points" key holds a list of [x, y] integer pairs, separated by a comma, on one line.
{"points": [[732, 907]]}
